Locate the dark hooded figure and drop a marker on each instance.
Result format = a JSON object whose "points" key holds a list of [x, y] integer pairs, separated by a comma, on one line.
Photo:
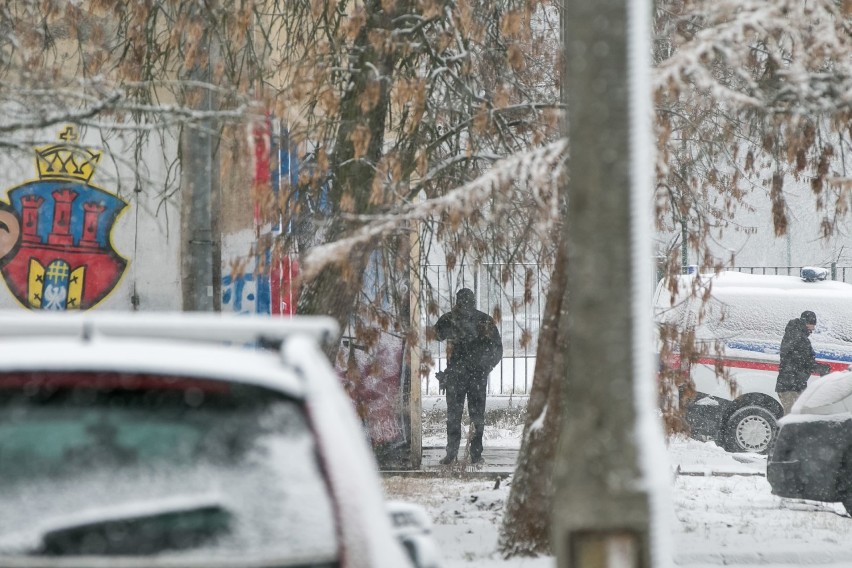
{"points": [[475, 348], [798, 360]]}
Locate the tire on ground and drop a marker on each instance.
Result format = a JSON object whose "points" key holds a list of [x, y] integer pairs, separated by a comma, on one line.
{"points": [[750, 429]]}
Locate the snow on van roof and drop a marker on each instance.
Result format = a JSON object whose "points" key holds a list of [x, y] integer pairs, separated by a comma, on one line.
{"points": [[754, 284], [746, 307]]}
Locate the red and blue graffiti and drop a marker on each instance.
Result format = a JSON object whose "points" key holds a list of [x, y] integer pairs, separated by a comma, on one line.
{"points": [[55, 237], [267, 285]]}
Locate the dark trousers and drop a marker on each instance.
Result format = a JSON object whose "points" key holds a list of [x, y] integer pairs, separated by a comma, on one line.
{"points": [[473, 387]]}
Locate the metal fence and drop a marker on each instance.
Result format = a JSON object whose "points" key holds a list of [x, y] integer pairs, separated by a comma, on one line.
{"points": [[839, 273], [515, 293]]}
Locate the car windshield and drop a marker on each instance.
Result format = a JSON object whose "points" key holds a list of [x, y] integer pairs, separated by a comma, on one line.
{"points": [[231, 468]]}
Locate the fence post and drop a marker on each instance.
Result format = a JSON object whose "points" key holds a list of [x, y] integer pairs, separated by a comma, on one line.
{"points": [[834, 271]]}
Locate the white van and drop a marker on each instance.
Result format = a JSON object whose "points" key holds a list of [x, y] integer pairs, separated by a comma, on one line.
{"points": [[747, 314]]}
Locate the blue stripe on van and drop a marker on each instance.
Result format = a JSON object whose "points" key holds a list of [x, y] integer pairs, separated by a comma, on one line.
{"points": [[774, 348]]}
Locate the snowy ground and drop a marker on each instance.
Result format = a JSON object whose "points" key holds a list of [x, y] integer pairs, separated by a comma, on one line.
{"points": [[724, 513]]}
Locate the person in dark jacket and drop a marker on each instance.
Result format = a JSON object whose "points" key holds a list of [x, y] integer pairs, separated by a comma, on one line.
{"points": [[474, 349], [798, 360]]}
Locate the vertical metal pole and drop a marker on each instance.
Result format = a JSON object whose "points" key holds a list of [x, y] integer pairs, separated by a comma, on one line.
{"points": [[415, 391], [540, 312], [450, 286], [514, 329], [512, 358], [526, 326], [789, 245], [440, 344], [199, 176], [197, 180]]}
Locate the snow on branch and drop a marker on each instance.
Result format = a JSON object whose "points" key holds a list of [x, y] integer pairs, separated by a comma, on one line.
{"points": [[535, 172], [768, 55]]}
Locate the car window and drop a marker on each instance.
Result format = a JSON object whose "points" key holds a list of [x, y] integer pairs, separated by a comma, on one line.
{"points": [[95, 449]]}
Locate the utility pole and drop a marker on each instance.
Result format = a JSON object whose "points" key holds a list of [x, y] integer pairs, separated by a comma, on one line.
{"points": [[415, 405], [199, 185], [603, 500]]}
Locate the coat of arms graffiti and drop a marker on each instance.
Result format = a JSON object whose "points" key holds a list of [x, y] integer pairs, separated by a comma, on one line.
{"points": [[56, 251]]}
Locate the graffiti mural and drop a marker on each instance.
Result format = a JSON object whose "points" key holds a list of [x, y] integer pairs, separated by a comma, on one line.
{"points": [[266, 284], [265, 287], [56, 250], [245, 293]]}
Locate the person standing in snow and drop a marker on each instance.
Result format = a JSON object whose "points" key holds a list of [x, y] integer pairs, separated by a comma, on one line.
{"points": [[798, 360], [474, 349]]}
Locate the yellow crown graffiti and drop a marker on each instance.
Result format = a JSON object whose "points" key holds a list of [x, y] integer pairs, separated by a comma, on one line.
{"points": [[66, 160]]}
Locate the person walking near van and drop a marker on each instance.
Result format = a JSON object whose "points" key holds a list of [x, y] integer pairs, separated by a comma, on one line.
{"points": [[474, 349], [798, 360]]}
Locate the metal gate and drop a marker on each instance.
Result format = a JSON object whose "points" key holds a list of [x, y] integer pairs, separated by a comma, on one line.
{"points": [[515, 292]]}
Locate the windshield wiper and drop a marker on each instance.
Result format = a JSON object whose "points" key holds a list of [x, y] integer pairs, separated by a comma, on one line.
{"points": [[139, 534]]}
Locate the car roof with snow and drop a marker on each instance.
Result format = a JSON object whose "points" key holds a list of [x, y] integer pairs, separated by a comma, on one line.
{"points": [[225, 347], [195, 345], [828, 395]]}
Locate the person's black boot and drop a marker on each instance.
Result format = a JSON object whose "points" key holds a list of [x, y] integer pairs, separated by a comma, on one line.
{"points": [[477, 460], [447, 460]]}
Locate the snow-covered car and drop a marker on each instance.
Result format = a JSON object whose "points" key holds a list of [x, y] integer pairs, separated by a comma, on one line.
{"points": [[198, 439], [811, 457], [746, 315]]}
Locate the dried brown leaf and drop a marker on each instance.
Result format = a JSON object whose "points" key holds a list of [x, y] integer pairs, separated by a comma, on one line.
{"points": [[360, 139], [779, 205]]}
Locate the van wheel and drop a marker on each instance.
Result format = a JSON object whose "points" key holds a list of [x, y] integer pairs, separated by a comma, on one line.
{"points": [[750, 429]]}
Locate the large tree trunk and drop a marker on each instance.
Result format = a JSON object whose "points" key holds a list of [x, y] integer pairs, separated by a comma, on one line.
{"points": [[526, 521], [335, 290]]}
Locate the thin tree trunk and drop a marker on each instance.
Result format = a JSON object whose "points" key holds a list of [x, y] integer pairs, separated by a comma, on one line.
{"points": [[526, 527]]}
